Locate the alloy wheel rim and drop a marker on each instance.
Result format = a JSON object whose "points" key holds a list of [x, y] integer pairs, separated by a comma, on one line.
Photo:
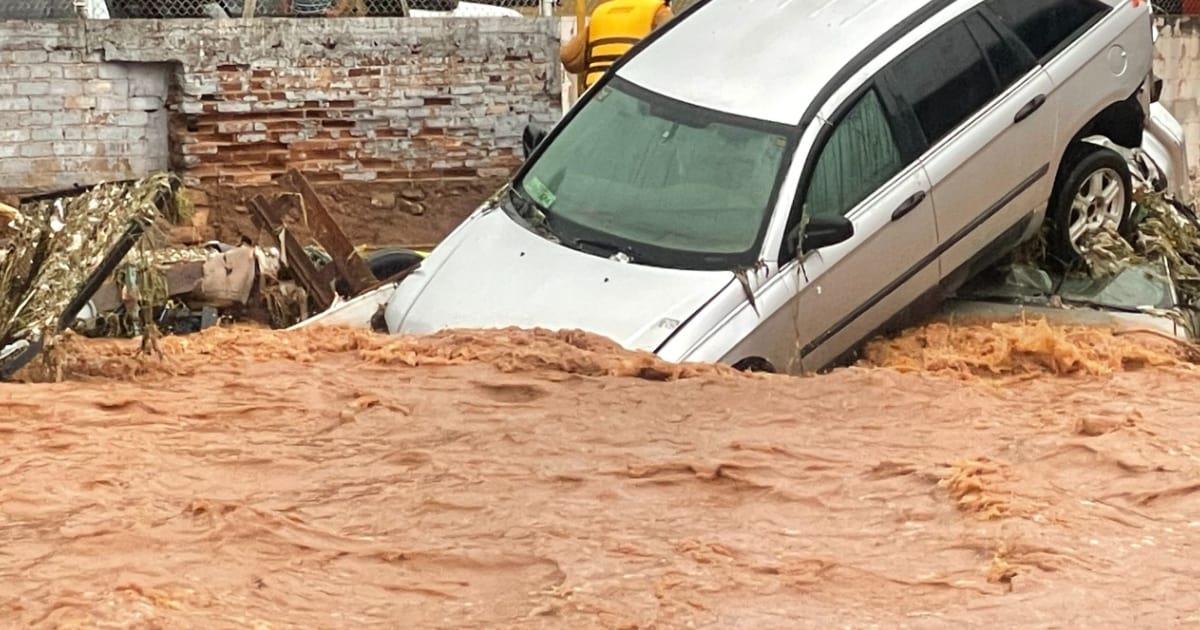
{"points": [[1098, 205]]}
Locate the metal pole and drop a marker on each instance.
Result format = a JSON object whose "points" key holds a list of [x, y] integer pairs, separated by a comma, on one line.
{"points": [[248, 8]]}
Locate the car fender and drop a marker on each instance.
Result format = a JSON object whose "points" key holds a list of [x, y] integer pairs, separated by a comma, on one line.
{"points": [[1160, 164], [1165, 144], [731, 327]]}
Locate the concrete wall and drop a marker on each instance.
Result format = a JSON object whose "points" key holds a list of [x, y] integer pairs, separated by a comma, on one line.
{"points": [[1178, 63], [235, 103]]}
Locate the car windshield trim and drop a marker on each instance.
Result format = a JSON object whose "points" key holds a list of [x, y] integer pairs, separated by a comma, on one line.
{"points": [[570, 231]]}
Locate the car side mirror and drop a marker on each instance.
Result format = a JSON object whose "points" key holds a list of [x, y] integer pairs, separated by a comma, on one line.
{"points": [[825, 230], [532, 137]]}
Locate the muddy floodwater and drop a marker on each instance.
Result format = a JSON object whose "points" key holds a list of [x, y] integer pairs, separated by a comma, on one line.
{"points": [[990, 476]]}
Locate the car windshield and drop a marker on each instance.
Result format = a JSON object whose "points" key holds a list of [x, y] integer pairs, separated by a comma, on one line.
{"points": [[683, 185]]}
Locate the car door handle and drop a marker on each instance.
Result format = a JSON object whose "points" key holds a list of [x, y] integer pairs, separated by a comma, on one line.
{"points": [[1030, 107], [909, 205]]}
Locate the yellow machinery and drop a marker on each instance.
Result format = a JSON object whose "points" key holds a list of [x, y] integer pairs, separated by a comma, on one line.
{"points": [[615, 26]]}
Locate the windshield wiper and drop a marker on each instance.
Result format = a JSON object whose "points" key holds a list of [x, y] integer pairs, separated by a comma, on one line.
{"points": [[525, 202], [615, 252], [538, 218]]}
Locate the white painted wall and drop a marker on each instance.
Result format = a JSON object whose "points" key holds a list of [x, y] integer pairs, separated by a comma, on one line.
{"points": [[95, 9]]}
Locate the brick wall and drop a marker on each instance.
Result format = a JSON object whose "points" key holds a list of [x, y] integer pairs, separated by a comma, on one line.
{"points": [[233, 103], [66, 118]]}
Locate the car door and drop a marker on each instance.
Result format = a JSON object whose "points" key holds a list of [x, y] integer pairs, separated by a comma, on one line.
{"points": [[865, 170], [990, 138], [1092, 61]]}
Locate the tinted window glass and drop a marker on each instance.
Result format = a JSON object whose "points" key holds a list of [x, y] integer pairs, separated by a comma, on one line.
{"points": [[945, 79], [861, 156], [1007, 62], [1045, 24]]}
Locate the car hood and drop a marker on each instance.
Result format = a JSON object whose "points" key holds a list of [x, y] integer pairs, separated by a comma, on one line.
{"points": [[494, 273]]}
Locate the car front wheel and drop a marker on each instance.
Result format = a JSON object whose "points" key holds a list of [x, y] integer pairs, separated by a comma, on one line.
{"points": [[1094, 197]]}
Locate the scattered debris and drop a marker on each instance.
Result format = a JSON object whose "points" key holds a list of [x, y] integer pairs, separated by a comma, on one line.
{"points": [[77, 259], [57, 251], [1150, 279], [345, 269]]}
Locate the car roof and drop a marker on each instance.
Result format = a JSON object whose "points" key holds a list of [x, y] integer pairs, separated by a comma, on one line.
{"points": [[763, 59]]}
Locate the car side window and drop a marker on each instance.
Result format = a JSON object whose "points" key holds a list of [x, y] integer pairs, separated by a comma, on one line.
{"points": [[859, 157], [945, 79], [1047, 25], [1008, 62]]}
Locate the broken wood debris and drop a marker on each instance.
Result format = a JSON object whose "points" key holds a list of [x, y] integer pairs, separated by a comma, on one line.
{"points": [[346, 265]]}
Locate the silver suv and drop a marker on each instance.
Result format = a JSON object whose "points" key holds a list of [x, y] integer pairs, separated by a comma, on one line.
{"points": [[768, 183]]}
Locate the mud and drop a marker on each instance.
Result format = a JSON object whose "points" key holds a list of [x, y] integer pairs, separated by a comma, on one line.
{"points": [[413, 213], [1026, 348], [548, 480]]}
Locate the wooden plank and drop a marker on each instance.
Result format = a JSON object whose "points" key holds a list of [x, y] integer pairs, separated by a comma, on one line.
{"points": [[269, 217], [329, 234]]}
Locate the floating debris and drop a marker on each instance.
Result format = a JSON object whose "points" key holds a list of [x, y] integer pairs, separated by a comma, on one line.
{"points": [[1150, 277]]}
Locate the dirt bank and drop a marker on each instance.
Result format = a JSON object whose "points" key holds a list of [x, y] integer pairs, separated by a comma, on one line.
{"points": [[338, 479], [371, 213]]}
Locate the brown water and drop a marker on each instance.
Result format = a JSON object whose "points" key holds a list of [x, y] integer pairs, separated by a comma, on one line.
{"points": [[998, 476]]}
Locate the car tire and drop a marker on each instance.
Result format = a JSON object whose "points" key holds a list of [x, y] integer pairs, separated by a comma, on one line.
{"points": [[383, 263], [388, 262], [754, 364], [1094, 188]]}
